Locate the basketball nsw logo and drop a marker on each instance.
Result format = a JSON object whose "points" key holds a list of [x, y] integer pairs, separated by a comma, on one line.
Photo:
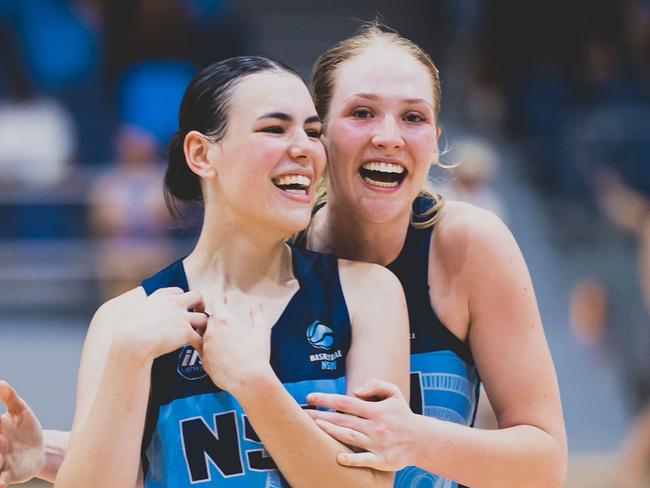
{"points": [[320, 336]]}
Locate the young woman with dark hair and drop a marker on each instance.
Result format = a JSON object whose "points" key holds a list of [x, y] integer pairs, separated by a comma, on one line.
{"points": [[199, 374]]}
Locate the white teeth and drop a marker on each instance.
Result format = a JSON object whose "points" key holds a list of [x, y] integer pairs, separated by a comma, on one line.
{"points": [[384, 167], [382, 184], [293, 180]]}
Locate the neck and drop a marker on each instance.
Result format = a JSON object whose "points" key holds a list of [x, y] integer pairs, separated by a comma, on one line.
{"points": [[337, 231], [231, 254]]}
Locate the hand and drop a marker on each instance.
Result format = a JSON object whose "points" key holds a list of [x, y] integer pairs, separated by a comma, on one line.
{"points": [[164, 322], [378, 421], [235, 352], [21, 439]]}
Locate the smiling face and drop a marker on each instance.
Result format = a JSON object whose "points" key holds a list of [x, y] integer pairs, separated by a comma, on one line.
{"points": [[271, 157], [380, 133]]}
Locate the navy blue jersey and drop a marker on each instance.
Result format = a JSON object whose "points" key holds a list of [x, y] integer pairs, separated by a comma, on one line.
{"points": [[198, 433], [444, 379]]}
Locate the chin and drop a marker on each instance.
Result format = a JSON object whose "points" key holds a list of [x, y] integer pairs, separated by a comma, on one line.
{"points": [[379, 210], [294, 222]]}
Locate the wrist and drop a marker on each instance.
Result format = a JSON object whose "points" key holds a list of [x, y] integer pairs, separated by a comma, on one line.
{"points": [[252, 383], [416, 427], [127, 345]]}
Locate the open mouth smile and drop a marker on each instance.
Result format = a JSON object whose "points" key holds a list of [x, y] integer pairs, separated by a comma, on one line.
{"points": [[297, 185], [383, 175]]}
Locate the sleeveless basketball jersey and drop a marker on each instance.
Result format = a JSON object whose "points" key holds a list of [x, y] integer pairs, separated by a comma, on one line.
{"points": [[198, 433], [444, 379]]}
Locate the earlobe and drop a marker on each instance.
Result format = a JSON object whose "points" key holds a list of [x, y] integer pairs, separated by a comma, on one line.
{"points": [[197, 153]]}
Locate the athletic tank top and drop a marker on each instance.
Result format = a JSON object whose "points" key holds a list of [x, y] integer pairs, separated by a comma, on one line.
{"points": [[198, 433], [444, 380]]}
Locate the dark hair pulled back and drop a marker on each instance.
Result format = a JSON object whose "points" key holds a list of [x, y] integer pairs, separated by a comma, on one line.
{"points": [[204, 108]]}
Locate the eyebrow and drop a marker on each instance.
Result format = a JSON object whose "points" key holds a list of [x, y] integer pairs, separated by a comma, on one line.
{"points": [[372, 96], [287, 118]]}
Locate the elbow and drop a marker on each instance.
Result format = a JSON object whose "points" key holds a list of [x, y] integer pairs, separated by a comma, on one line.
{"points": [[555, 469], [557, 472]]}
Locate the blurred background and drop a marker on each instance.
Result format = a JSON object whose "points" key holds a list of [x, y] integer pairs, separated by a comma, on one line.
{"points": [[546, 106]]}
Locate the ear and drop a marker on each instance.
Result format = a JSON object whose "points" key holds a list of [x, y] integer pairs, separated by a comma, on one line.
{"points": [[438, 132], [197, 153]]}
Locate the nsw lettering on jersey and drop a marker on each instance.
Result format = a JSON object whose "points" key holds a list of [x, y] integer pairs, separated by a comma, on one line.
{"points": [[219, 444]]}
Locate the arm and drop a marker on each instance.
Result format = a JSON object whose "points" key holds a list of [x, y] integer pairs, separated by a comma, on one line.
{"points": [[56, 445], [510, 351], [277, 418], [124, 337], [24, 448]]}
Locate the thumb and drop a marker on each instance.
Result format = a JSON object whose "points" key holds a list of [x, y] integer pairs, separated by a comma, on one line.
{"points": [[257, 315], [377, 390], [15, 405]]}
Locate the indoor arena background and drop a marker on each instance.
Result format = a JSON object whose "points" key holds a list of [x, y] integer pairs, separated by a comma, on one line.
{"points": [[546, 106]]}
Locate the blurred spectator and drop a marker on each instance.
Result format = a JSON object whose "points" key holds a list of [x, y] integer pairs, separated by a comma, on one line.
{"points": [[628, 342], [63, 56], [472, 178], [37, 135], [149, 94], [197, 31], [129, 214]]}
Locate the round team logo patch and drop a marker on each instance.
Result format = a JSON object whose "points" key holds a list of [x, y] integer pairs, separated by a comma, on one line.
{"points": [[189, 364], [320, 336]]}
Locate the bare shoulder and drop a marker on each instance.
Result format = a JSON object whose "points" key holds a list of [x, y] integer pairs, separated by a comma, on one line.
{"points": [[463, 221], [360, 274], [469, 232], [368, 285]]}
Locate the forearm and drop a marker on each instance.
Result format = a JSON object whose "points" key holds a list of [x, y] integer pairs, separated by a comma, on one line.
{"points": [[55, 443], [104, 450], [305, 455], [519, 456]]}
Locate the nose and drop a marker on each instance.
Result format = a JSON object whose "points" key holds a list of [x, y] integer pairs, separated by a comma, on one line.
{"points": [[301, 148], [387, 136]]}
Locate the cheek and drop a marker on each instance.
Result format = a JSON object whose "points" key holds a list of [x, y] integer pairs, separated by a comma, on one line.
{"points": [[320, 160], [345, 140], [424, 146]]}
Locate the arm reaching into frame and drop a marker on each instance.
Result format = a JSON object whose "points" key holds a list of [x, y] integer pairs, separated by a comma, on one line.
{"points": [[21, 439]]}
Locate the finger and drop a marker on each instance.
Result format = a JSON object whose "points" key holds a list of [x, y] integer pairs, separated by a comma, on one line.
{"points": [[173, 290], [15, 405], [195, 340], [347, 436], [4, 480], [342, 403], [257, 316], [198, 320], [376, 389], [191, 299], [340, 419], [359, 459], [218, 308], [200, 308]]}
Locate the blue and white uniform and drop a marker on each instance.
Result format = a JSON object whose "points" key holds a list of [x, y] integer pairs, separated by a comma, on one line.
{"points": [[444, 380], [197, 434]]}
